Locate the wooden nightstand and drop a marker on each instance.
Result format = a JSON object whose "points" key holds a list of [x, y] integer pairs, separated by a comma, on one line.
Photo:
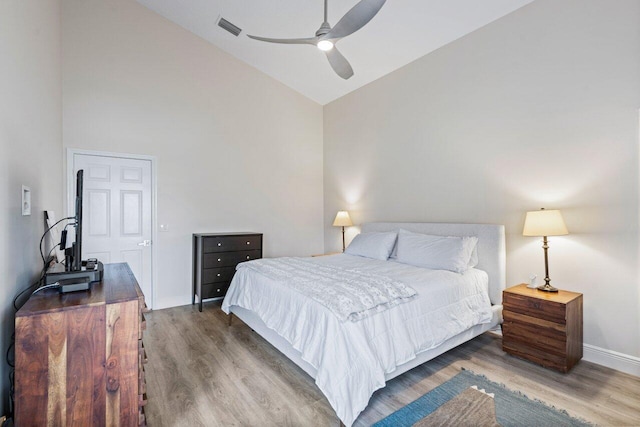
{"points": [[543, 327]]}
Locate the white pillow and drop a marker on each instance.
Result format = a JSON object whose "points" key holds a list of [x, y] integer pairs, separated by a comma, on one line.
{"points": [[473, 260], [436, 252], [373, 245]]}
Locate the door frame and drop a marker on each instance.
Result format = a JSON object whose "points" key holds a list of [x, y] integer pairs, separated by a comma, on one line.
{"points": [[70, 202]]}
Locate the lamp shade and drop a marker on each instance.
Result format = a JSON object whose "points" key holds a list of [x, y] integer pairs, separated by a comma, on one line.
{"points": [[544, 223], [342, 219]]}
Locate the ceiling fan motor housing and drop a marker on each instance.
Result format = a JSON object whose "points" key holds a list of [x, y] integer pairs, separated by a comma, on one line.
{"points": [[324, 29]]}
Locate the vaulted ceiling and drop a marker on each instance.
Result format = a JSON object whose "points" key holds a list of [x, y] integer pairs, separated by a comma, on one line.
{"points": [[403, 31]]}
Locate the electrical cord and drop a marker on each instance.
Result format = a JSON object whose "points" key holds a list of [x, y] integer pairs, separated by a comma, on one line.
{"points": [[11, 362], [42, 288], [28, 288], [47, 231], [51, 251]]}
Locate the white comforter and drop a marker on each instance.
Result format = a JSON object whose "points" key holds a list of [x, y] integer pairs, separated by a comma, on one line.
{"points": [[348, 293], [352, 358]]}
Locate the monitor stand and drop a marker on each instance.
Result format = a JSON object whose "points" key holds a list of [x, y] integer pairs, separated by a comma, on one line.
{"points": [[71, 281]]}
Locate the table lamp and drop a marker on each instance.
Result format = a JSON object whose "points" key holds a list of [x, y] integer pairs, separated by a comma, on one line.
{"points": [[342, 220], [545, 223]]}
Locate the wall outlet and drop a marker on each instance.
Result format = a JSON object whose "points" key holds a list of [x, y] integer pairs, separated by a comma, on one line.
{"points": [[164, 227]]}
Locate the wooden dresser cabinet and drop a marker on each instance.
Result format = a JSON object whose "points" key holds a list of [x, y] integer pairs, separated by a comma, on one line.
{"points": [[79, 356], [215, 256], [543, 327]]}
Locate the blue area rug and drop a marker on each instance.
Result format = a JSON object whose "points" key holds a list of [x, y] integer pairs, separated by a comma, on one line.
{"points": [[512, 408]]}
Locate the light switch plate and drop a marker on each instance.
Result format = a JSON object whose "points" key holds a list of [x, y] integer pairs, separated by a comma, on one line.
{"points": [[26, 200]]}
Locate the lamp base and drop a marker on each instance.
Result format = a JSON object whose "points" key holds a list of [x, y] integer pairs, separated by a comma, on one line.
{"points": [[547, 288]]}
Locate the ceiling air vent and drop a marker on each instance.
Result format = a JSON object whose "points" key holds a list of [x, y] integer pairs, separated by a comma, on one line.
{"points": [[226, 25]]}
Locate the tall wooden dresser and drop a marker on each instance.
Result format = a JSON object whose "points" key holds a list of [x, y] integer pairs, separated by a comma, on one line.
{"points": [[79, 356], [215, 256]]}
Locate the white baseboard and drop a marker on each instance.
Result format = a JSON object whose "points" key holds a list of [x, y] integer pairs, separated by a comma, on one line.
{"points": [[177, 302], [172, 302], [612, 359]]}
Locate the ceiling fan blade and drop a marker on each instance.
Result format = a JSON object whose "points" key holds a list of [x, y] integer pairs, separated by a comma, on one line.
{"points": [[309, 40], [356, 18], [339, 63]]}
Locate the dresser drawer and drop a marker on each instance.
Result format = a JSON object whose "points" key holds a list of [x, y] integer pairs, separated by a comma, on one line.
{"points": [[214, 290], [141, 417], [535, 307], [142, 383], [232, 243], [214, 275], [229, 259]]}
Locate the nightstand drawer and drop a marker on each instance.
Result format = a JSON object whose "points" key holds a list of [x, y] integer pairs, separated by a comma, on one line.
{"points": [[213, 275], [229, 259], [232, 243], [535, 307], [541, 357], [534, 322], [548, 340]]}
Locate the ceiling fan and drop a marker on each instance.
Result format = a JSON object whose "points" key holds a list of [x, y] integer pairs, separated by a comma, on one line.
{"points": [[326, 37]]}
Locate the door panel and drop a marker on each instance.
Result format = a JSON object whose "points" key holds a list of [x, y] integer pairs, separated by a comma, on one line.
{"points": [[131, 214], [97, 214], [117, 212]]}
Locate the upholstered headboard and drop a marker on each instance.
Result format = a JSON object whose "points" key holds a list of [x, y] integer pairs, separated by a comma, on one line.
{"points": [[491, 246]]}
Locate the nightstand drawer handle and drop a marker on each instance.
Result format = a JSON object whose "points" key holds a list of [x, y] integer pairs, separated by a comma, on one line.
{"points": [[535, 304], [248, 243], [217, 290], [219, 260], [219, 244], [248, 257], [218, 274]]}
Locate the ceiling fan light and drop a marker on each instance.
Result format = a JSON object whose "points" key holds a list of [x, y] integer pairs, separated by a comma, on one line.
{"points": [[325, 45]]}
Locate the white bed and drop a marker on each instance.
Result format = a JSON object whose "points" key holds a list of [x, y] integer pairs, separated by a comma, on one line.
{"points": [[350, 360]]}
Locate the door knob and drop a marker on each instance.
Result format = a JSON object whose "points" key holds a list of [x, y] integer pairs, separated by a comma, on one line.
{"points": [[145, 243]]}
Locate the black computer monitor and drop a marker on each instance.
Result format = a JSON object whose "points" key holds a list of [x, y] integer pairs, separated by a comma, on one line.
{"points": [[76, 247]]}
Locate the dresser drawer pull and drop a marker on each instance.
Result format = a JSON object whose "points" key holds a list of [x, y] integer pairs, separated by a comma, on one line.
{"points": [[218, 274], [248, 243], [219, 244], [535, 304], [219, 259], [218, 290], [248, 257]]}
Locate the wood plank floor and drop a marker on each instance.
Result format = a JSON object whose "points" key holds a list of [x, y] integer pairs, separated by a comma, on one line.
{"points": [[202, 372]]}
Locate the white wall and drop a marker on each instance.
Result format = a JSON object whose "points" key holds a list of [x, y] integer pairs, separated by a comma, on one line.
{"points": [[538, 109], [236, 150], [31, 147]]}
